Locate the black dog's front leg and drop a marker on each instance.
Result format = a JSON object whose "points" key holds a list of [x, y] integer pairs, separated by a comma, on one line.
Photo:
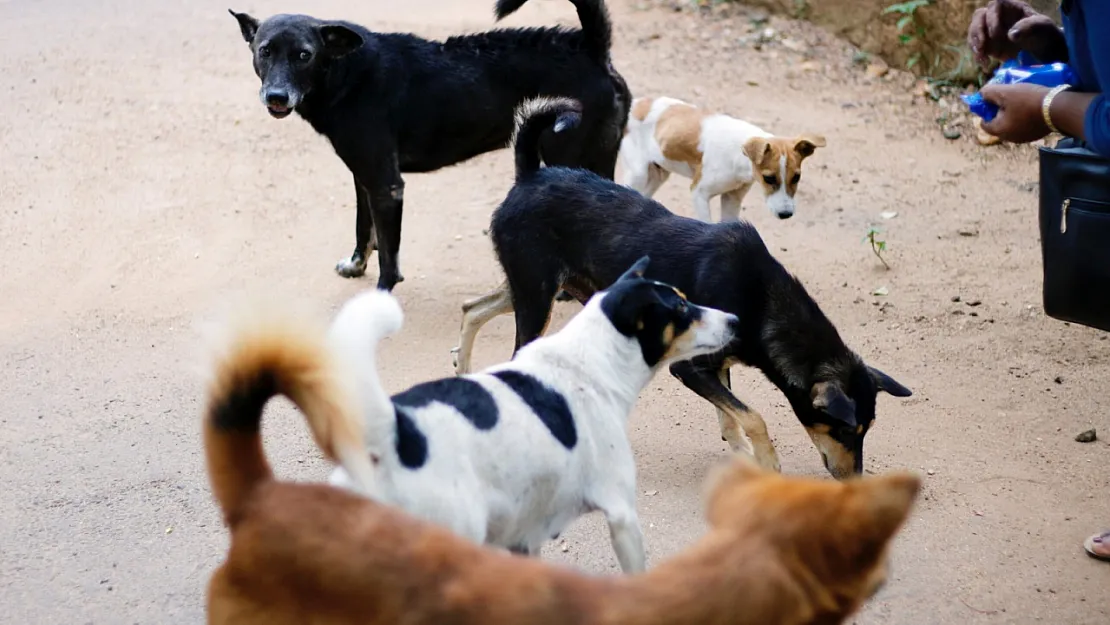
{"points": [[369, 150], [742, 427], [387, 206], [365, 239]]}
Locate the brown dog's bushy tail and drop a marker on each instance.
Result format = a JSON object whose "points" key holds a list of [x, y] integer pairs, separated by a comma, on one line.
{"points": [[264, 356], [532, 118], [597, 28]]}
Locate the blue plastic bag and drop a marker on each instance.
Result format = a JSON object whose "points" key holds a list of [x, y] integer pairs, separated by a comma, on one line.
{"points": [[1020, 70]]}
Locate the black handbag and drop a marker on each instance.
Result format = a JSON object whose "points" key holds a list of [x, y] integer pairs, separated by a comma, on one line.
{"points": [[1075, 234]]}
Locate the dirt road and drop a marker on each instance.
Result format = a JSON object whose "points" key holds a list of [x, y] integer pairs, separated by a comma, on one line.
{"points": [[143, 187]]}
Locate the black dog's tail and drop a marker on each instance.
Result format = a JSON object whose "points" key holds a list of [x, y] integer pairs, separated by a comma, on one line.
{"points": [[597, 30], [532, 118]]}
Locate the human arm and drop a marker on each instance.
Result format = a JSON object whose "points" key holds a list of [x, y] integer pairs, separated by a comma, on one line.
{"points": [[1084, 111], [1020, 116]]}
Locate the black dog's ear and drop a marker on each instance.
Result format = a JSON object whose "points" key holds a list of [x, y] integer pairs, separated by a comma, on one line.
{"points": [[831, 400], [888, 384], [636, 270], [339, 40], [247, 25]]}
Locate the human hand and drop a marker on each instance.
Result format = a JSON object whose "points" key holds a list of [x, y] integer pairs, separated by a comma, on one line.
{"points": [[1005, 27], [1019, 118]]}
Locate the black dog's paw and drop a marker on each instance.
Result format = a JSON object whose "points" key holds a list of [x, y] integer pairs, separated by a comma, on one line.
{"points": [[388, 280], [353, 267]]}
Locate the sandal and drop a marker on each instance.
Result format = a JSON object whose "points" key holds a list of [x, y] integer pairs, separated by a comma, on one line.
{"points": [[1098, 546]]}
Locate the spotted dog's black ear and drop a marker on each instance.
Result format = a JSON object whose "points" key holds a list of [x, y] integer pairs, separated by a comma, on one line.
{"points": [[340, 40], [247, 25], [831, 400], [636, 271], [627, 303]]}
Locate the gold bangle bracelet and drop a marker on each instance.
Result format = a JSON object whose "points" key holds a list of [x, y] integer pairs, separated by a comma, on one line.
{"points": [[1046, 106]]}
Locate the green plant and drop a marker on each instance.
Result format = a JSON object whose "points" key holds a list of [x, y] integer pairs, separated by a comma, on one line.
{"points": [[908, 12], [878, 245]]}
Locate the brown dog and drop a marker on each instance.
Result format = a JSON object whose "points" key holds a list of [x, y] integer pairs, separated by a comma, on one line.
{"points": [[779, 551]]}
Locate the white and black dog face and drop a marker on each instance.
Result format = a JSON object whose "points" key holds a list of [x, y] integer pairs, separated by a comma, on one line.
{"points": [[658, 316]]}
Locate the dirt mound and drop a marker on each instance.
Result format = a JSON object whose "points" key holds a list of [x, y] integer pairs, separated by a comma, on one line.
{"points": [[926, 37]]}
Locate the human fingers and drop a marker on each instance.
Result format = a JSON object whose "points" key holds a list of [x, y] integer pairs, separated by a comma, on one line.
{"points": [[976, 37]]}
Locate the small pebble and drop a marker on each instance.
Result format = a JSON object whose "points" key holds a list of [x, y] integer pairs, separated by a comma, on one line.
{"points": [[1089, 436], [876, 70]]}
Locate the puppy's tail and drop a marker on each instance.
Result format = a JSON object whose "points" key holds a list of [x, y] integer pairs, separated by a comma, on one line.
{"points": [[359, 326], [597, 28], [532, 118], [266, 355]]}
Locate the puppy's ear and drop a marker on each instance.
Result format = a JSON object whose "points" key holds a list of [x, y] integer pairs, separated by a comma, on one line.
{"points": [[886, 383], [831, 400], [339, 40], [247, 25], [806, 144], [636, 271], [757, 149]]}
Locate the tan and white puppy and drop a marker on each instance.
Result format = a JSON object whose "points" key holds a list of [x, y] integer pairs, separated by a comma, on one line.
{"points": [[722, 155]]}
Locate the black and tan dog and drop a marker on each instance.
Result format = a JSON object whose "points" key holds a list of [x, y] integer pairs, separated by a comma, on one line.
{"points": [[393, 103], [563, 228]]}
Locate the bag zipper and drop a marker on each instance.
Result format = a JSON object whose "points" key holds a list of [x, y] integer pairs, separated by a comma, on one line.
{"points": [[1064, 215]]}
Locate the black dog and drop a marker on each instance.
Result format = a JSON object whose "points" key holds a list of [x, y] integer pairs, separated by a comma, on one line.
{"points": [[571, 229], [396, 103]]}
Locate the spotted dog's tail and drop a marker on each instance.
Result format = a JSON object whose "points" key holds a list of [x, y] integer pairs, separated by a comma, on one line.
{"points": [[597, 28], [359, 326], [532, 118], [268, 354]]}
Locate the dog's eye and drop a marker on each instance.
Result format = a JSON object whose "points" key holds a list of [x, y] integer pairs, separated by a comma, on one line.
{"points": [[264, 51], [796, 179], [771, 180], [304, 55], [681, 307]]}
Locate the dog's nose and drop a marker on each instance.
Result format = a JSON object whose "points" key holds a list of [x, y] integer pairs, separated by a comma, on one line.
{"points": [[277, 98]]}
